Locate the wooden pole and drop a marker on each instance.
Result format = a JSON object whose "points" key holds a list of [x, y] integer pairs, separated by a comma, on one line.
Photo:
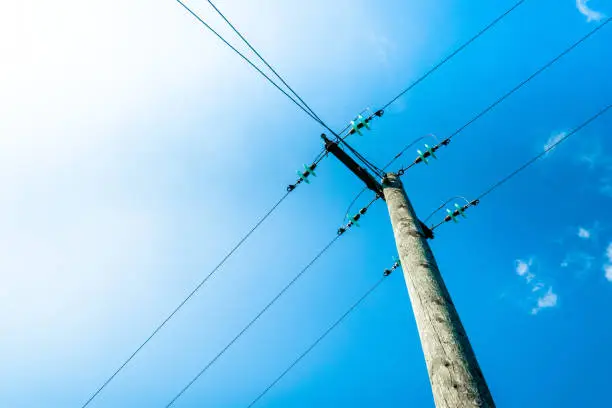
{"points": [[455, 376]]}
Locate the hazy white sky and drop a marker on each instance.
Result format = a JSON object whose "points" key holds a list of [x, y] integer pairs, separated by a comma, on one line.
{"points": [[135, 150]]}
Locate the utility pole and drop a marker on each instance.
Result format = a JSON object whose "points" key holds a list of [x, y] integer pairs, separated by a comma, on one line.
{"points": [[455, 376]]}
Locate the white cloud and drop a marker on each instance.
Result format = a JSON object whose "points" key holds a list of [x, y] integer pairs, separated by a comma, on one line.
{"points": [[553, 140], [584, 233], [522, 267], [608, 267], [547, 301], [608, 271], [590, 14]]}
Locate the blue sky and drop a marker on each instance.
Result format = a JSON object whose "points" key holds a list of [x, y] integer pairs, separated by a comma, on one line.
{"points": [[135, 150]]}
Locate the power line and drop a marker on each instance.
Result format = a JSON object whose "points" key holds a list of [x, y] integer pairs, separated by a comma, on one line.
{"points": [[372, 167], [341, 231], [527, 163], [543, 153], [248, 326], [519, 86], [531, 77], [443, 205], [186, 299], [397, 156], [310, 113], [264, 61], [457, 51], [197, 17], [317, 341]]}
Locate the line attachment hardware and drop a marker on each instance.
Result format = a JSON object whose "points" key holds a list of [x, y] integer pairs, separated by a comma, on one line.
{"points": [[452, 215], [429, 152], [308, 171], [459, 211], [396, 264], [360, 122], [352, 221]]}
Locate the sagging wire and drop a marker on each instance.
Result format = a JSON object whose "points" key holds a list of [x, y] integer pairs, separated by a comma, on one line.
{"points": [[424, 156], [459, 211], [454, 212], [444, 204], [393, 160], [430, 152], [372, 167], [354, 220], [341, 231], [386, 273]]}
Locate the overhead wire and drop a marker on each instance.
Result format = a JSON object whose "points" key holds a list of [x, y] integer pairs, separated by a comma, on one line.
{"points": [[262, 311], [454, 53], [443, 205], [529, 162], [544, 152], [186, 299], [488, 191], [520, 85], [531, 77], [309, 111], [252, 321], [372, 167], [396, 157], [304, 109], [264, 60], [318, 340]]}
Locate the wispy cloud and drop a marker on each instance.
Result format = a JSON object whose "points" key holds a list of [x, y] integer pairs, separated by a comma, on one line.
{"points": [[608, 272], [554, 139], [590, 14], [608, 266], [523, 269], [584, 233], [548, 300]]}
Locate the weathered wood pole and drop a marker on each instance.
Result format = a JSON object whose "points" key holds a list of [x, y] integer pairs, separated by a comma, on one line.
{"points": [[455, 376]]}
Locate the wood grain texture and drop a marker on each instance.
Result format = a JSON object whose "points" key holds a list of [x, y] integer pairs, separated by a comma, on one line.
{"points": [[455, 376]]}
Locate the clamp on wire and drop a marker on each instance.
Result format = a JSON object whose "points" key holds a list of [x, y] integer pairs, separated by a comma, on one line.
{"points": [[354, 220], [396, 264], [455, 212], [429, 152], [304, 175], [425, 155], [360, 122]]}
